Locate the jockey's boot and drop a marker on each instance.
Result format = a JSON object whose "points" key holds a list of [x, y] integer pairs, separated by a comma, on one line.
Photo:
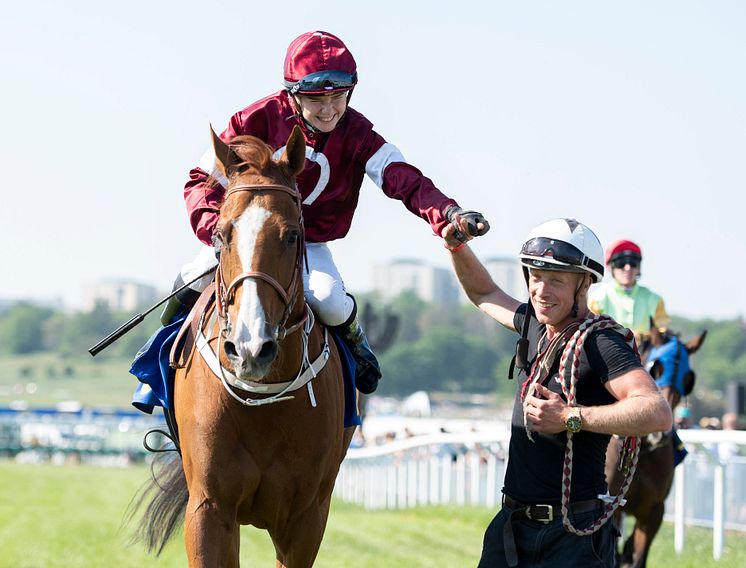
{"points": [[183, 301], [368, 371], [187, 297]]}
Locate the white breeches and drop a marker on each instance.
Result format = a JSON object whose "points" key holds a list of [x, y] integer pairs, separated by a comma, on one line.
{"points": [[323, 286]]}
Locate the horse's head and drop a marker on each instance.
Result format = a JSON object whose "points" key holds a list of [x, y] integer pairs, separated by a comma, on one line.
{"points": [[260, 237], [666, 357]]}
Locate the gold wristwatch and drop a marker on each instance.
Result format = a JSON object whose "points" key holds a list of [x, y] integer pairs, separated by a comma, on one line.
{"points": [[574, 422]]}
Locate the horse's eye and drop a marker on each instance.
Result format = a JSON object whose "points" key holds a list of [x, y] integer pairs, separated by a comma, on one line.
{"points": [[293, 237]]}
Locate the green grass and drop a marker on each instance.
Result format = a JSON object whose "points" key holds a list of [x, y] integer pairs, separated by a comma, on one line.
{"points": [[95, 382], [69, 516]]}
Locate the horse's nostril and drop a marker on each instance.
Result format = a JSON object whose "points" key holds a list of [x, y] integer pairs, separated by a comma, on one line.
{"points": [[230, 349], [267, 352]]}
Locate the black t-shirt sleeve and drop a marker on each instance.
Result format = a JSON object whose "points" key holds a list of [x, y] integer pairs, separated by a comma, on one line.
{"points": [[609, 355], [519, 317]]}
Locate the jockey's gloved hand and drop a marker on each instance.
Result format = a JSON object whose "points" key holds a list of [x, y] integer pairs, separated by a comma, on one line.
{"points": [[473, 219]]}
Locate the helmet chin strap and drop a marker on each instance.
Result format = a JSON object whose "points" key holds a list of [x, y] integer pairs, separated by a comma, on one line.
{"points": [[575, 308]]}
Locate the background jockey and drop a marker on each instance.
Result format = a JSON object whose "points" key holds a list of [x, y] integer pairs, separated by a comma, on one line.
{"points": [[622, 297], [341, 147]]}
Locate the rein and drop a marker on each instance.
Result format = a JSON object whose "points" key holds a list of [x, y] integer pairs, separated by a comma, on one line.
{"points": [[225, 293]]}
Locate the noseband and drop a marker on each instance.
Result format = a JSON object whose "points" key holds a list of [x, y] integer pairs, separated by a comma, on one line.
{"points": [[223, 293]]}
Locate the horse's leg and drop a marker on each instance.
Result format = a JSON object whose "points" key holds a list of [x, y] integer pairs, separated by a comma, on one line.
{"points": [[645, 533], [211, 534], [218, 476], [626, 558], [298, 543]]}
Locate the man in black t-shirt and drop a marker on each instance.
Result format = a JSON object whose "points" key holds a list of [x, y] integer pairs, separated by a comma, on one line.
{"points": [[608, 393]]}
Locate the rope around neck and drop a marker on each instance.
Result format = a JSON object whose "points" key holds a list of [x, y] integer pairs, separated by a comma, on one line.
{"points": [[540, 369], [631, 445]]}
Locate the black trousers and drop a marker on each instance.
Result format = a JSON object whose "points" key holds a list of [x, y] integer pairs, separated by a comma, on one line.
{"points": [[549, 545]]}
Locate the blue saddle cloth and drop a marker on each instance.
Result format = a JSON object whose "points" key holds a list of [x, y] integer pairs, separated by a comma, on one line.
{"points": [[679, 449], [151, 367]]}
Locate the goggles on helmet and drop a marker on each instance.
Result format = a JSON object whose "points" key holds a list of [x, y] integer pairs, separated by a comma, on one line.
{"points": [[323, 81], [560, 251], [622, 261]]}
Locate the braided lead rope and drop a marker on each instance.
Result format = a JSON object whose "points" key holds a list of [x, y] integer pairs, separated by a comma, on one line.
{"points": [[575, 346], [539, 371]]}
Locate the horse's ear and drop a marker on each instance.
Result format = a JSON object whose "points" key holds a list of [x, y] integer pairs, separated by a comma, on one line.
{"points": [[294, 156], [655, 369], [689, 379], [693, 345], [222, 152]]}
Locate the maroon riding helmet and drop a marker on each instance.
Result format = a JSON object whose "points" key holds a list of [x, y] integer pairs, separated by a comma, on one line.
{"points": [[318, 63]]}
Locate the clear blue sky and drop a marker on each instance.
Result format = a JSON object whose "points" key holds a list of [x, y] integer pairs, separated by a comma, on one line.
{"points": [[628, 116]]}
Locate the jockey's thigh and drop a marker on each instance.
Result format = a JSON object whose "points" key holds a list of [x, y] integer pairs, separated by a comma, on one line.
{"points": [[204, 260], [324, 288]]}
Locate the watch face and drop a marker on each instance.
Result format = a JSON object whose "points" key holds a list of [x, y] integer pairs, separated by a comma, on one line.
{"points": [[574, 424]]}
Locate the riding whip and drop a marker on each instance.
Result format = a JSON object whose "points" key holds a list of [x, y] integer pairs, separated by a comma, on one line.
{"points": [[126, 327]]}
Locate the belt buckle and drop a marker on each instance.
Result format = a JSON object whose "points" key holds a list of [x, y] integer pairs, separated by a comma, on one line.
{"points": [[537, 509]]}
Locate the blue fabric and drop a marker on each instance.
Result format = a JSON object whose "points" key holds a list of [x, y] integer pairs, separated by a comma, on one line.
{"points": [[152, 369], [679, 449], [667, 354], [157, 377], [352, 418]]}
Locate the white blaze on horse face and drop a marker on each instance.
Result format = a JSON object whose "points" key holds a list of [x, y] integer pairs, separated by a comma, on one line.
{"points": [[251, 330]]}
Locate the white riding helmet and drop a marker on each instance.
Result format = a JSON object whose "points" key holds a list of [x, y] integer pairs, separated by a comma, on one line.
{"points": [[564, 245]]}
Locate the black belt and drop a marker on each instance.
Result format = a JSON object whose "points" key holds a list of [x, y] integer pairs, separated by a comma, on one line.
{"points": [[543, 513]]}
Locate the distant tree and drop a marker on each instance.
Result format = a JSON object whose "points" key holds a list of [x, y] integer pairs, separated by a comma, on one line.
{"points": [[129, 344], [442, 359], [723, 355], [53, 331], [21, 328], [84, 329], [410, 310]]}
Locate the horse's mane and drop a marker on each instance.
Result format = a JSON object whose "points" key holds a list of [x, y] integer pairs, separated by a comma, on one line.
{"points": [[253, 153]]}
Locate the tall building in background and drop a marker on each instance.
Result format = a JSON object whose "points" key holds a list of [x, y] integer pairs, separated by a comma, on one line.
{"points": [[119, 295], [429, 283], [439, 285]]}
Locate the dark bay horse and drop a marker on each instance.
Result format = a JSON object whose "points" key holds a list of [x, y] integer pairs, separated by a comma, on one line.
{"points": [[245, 460], [667, 359]]}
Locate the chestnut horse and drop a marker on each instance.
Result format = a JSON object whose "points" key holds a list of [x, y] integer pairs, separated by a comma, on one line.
{"points": [[667, 359], [243, 459]]}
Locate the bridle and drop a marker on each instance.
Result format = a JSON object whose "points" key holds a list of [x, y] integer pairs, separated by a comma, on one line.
{"points": [[224, 294]]}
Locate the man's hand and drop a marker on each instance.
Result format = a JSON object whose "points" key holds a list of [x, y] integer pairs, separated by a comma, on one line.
{"points": [[467, 224], [547, 414]]}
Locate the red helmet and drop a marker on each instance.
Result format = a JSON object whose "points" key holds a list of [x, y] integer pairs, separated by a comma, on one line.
{"points": [[317, 63], [623, 249]]}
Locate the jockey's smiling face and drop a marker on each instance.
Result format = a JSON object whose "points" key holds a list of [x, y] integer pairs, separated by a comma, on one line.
{"points": [[553, 293], [323, 112]]}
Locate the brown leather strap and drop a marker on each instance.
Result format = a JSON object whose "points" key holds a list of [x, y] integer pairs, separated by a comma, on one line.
{"points": [[182, 347]]}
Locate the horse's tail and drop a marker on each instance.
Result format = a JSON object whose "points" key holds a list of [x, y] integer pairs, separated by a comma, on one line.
{"points": [[164, 498]]}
